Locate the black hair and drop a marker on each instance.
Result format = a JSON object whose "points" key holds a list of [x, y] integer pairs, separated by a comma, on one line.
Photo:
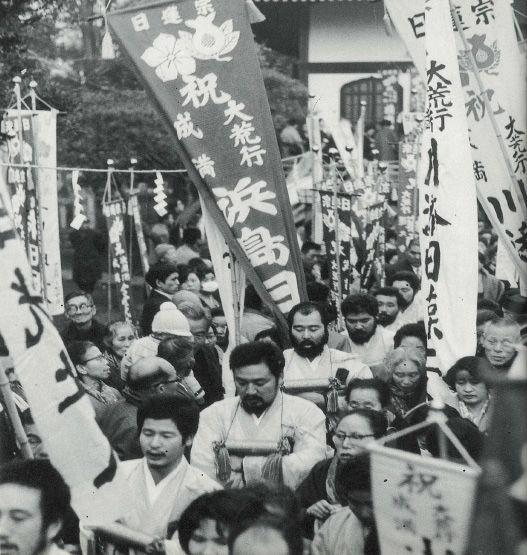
{"points": [[317, 292], [377, 384], [41, 475], [310, 246], [183, 412], [225, 507], [191, 235], [160, 271], [257, 352], [78, 293], [488, 304], [77, 350], [376, 419], [389, 292], [252, 299], [290, 532], [410, 330], [484, 315], [353, 476], [413, 241], [200, 266], [360, 302], [305, 308], [408, 276], [467, 433], [175, 349], [277, 499], [184, 271], [273, 334], [217, 311], [479, 369]]}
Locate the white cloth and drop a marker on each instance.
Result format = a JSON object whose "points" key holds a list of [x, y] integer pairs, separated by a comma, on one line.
{"points": [[413, 313], [298, 419], [373, 351]]}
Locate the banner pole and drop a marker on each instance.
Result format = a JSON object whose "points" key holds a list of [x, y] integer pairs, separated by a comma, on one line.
{"points": [[235, 300], [12, 411], [333, 176], [107, 195], [419, 136], [484, 94]]}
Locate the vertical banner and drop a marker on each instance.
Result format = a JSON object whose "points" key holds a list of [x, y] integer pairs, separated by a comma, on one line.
{"points": [[22, 183], [447, 202], [407, 192], [62, 413], [373, 234], [347, 255], [133, 210], [114, 212], [45, 123], [195, 59], [422, 505]]}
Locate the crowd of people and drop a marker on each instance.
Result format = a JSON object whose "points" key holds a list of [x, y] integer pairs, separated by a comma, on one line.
{"points": [[260, 448]]}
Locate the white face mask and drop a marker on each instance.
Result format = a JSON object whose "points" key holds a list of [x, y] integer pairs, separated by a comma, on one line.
{"points": [[209, 286]]}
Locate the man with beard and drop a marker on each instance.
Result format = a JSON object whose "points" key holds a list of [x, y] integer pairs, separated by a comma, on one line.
{"points": [[261, 414], [369, 342], [311, 358], [408, 284], [34, 500], [389, 301]]}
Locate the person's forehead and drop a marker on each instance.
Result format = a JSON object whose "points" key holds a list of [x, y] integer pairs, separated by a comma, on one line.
{"points": [[386, 298], [364, 393], [359, 316], [125, 329], [81, 299], [19, 497], [406, 366], [173, 275], [506, 332], [312, 319], [219, 320], [400, 283], [164, 425], [253, 372], [198, 325], [92, 352], [351, 422], [411, 341]]}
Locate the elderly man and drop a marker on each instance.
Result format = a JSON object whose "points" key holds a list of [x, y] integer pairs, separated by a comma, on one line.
{"points": [[80, 310], [311, 358], [500, 338], [147, 377], [369, 342], [263, 434], [34, 501]]}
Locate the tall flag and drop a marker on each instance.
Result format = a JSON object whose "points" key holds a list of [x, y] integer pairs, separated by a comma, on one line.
{"points": [[62, 413], [447, 201], [195, 58], [407, 191]]}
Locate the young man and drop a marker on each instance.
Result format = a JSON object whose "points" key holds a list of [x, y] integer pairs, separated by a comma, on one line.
{"points": [[81, 310], [409, 261], [163, 279], [260, 413], [390, 303], [162, 483], [34, 501], [408, 284], [369, 341]]}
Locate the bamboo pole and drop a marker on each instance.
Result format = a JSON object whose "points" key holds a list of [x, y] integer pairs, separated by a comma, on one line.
{"points": [[486, 100], [235, 300], [333, 176], [12, 411]]}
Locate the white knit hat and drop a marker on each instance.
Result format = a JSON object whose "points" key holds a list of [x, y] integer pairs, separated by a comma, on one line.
{"points": [[170, 320]]}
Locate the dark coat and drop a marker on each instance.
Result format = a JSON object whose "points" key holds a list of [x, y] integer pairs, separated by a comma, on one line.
{"points": [[150, 309], [208, 373], [95, 334], [88, 246], [119, 424]]}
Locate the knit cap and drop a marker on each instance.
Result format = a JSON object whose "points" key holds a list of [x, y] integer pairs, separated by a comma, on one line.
{"points": [[171, 320]]}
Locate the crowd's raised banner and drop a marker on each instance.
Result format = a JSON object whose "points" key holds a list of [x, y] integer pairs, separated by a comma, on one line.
{"points": [[194, 58], [340, 277], [422, 505], [447, 202], [62, 413], [407, 192], [373, 234], [22, 185]]}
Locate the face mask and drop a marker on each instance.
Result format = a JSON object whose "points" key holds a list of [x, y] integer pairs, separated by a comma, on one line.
{"points": [[209, 286]]}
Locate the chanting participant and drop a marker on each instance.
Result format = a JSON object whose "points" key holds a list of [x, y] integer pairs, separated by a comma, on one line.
{"points": [[408, 284], [287, 433], [162, 483], [311, 358], [369, 341]]}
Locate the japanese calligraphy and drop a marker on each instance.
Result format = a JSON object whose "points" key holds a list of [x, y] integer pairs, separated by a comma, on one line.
{"points": [[417, 23], [483, 9], [205, 165], [262, 248], [185, 128], [200, 90], [516, 140], [438, 95]]}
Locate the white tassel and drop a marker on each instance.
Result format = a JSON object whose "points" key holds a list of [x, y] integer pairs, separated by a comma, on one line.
{"points": [[107, 50], [255, 15]]}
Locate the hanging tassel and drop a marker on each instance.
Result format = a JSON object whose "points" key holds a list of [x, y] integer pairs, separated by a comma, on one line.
{"points": [[332, 401], [387, 23], [255, 15], [272, 470], [223, 461], [107, 50]]}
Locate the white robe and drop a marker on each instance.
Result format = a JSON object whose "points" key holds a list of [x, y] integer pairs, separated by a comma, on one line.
{"points": [[300, 420]]}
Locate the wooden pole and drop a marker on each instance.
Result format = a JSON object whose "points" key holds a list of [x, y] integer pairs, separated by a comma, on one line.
{"points": [[235, 300], [108, 197], [333, 176], [484, 93], [12, 411]]}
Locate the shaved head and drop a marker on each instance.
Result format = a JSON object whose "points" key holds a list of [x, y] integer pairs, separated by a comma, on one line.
{"points": [[149, 371]]}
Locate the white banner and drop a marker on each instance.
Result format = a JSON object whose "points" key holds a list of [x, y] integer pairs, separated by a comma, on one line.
{"points": [[45, 123], [421, 505], [447, 202], [62, 413]]}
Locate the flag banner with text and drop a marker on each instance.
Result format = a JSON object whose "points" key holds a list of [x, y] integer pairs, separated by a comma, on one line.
{"points": [[347, 255], [22, 187], [421, 505], [114, 214], [199, 62], [407, 192], [133, 210], [373, 232], [448, 223], [45, 131], [63, 414]]}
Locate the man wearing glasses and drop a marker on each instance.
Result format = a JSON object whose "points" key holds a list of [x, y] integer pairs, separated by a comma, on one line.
{"points": [[81, 310]]}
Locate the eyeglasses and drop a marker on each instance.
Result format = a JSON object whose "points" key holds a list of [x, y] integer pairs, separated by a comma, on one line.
{"points": [[98, 357], [356, 437], [71, 310]]}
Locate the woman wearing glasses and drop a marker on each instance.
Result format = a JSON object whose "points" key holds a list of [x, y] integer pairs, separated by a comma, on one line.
{"points": [[317, 492], [92, 368]]}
